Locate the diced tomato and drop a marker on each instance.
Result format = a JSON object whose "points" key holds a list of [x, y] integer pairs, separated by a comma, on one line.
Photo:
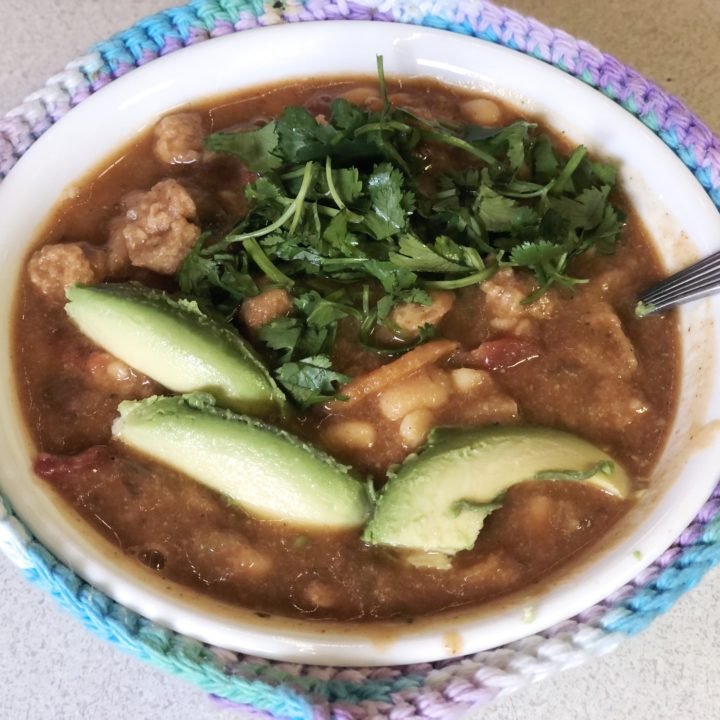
{"points": [[60, 468], [501, 353]]}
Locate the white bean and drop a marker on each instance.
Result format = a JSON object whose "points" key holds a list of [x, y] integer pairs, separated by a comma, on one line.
{"points": [[415, 427], [466, 380], [426, 389], [355, 434]]}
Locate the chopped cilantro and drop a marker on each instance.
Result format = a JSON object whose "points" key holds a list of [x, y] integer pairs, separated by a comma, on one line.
{"points": [[258, 148], [349, 216], [310, 380]]}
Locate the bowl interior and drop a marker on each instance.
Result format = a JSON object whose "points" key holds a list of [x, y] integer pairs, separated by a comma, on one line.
{"points": [[673, 206]]}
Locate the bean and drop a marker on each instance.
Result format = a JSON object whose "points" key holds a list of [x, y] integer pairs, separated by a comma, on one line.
{"points": [[415, 427], [354, 434], [482, 111], [424, 390]]}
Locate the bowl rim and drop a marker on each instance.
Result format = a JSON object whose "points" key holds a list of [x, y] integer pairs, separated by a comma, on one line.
{"points": [[355, 650]]}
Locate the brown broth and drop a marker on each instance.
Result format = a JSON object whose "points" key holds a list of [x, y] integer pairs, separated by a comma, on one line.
{"points": [[194, 536]]}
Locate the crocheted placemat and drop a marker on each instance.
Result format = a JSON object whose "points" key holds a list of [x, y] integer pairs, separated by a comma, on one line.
{"points": [[445, 689]]}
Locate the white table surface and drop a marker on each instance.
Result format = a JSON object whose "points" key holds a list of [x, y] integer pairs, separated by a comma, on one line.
{"points": [[52, 669]]}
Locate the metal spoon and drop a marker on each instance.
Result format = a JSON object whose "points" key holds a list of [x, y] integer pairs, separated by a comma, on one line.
{"points": [[692, 283]]}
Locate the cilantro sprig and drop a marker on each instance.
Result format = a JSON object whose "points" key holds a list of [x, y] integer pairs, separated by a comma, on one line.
{"points": [[350, 214]]}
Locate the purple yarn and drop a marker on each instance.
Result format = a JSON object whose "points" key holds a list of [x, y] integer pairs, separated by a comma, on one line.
{"points": [[123, 68], [172, 43], [196, 35], [100, 79], [147, 56], [246, 21], [222, 27]]}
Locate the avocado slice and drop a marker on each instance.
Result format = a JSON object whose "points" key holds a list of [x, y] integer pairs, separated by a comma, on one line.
{"points": [[271, 474], [437, 500], [176, 344]]}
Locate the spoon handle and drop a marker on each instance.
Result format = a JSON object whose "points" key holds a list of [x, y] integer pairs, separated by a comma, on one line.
{"points": [[692, 283]]}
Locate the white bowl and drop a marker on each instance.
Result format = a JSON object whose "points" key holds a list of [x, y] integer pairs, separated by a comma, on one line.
{"points": [[673, 206]]}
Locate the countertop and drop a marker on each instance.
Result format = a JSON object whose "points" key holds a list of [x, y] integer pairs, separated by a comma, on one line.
{"points": [[53, 669]]}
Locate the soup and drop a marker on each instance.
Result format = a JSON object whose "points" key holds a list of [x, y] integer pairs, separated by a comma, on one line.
{"points": [[461, 334]]}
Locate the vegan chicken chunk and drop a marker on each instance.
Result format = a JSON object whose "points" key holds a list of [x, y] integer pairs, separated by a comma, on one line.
{"points": [[159, 233], [54, 268], [179, 139]]}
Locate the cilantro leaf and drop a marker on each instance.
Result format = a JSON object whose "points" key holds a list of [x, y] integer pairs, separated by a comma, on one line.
{"points": [[320, 311], [257, 148], [415, 255], [310, 380], [531, 254], [300, 137], [586, 210], [545, 161], [390, 203], [340, 241], [347, 117], [393, 279], [348, 184], [282, 335], [502, 214]]}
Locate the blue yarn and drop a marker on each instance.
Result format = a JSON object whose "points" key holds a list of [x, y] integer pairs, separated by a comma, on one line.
{"points": [[184, 20], [138, 42], [159, 29], [115, 54]]}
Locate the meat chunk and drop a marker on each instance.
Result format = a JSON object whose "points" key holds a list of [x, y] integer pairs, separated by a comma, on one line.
{"points": [[410, 317], [615, 352], [54, 268], [118, 260], [504, 293], [179, 139], [610, 355], [158, 231], [264, 308], [614, 418]]}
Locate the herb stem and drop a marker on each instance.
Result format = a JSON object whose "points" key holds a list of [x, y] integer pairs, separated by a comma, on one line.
{"points": [[558, 185], [290, 210], [381, 82], [383, 125], [331, 184], [477, 277], [300, 197], [292, 174], [459, 143], [253, 249]]}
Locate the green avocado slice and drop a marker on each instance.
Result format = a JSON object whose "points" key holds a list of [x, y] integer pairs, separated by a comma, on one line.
{"points": [[176, 344], [437, 500], [271, 474]]}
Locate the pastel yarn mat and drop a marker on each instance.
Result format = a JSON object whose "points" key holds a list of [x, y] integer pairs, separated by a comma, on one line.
{"points": [[439, 690]]}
